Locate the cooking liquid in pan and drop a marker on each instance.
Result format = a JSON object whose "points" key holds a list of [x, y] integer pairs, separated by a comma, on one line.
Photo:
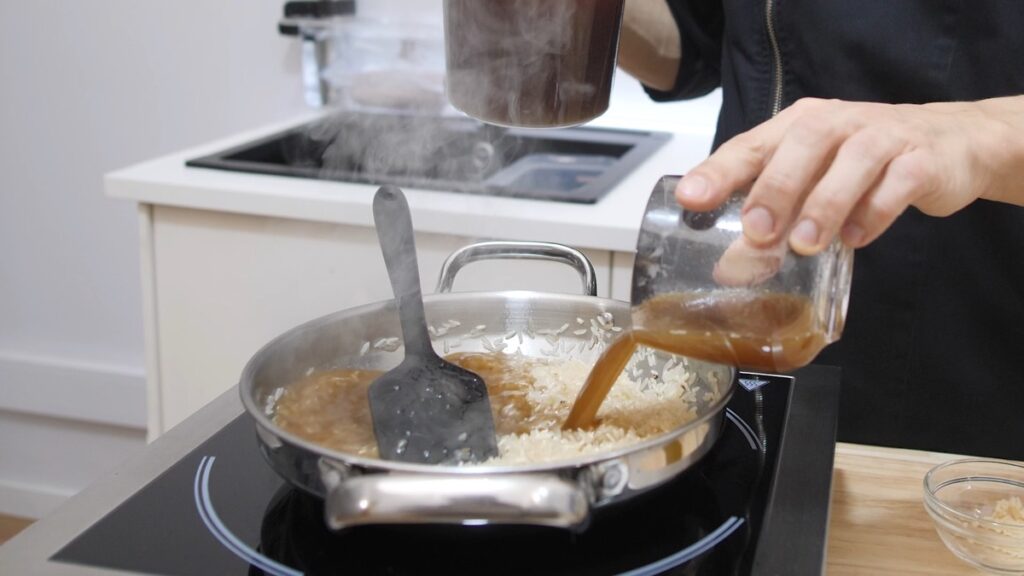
{"points": [[530, 399], [771, 333], [330, 408]]}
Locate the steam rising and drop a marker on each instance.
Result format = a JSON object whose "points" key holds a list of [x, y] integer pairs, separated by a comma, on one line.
{"points": [[405, 149], [538, 63]]}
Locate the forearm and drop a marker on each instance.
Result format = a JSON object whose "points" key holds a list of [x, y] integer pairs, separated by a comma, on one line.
{"points": [[649, 43], [1002, 143]]}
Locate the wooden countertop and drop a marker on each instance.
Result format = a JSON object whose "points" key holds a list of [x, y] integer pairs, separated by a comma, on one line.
{"points": [[878, 522]]}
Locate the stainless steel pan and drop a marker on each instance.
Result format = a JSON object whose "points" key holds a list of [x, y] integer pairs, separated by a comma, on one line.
{"points": [[359, 490]]}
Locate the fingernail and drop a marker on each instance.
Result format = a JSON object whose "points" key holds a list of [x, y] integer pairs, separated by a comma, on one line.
{"points": [[852, 235], [758, 224], [805, 234], [693, 189]]}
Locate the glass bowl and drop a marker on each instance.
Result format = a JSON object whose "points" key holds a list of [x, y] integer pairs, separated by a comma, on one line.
{"points": [[976, 507]]}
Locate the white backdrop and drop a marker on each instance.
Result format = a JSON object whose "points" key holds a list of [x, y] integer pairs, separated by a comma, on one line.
{"points": [[88, 87]]}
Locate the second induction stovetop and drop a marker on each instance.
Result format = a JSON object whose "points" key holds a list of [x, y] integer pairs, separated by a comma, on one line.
{"points": [[756, 504]]}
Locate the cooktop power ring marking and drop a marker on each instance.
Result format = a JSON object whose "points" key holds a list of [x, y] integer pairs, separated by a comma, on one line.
{"points": [[201, 492], [708, 542], [745, 428], [690, 552], [204, 506]]}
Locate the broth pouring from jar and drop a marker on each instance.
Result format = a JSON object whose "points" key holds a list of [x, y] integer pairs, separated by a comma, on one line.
{"points": [[770, 333], [702, 290]]}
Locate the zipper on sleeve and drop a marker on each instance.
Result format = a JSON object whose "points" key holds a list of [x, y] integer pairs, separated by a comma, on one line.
{"points": [[776, 96]]}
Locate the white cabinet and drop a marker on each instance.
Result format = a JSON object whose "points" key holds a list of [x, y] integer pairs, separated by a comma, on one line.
{"points": [[220, 285]]}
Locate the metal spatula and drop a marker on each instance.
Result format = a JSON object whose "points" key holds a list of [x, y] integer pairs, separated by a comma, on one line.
{"points": [[425, 410]]}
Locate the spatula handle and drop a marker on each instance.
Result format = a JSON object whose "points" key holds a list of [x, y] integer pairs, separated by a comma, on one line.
{"points": [[394, 230]]}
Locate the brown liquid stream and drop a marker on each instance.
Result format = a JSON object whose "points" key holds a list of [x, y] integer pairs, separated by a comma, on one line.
{"points": [[771, 333]]}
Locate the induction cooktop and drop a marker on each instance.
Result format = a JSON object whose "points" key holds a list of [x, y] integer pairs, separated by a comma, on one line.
{"points": [[756, 504]]}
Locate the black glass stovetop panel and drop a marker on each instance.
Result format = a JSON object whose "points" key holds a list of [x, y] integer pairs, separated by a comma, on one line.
{"points": [[450, 154], [222, 510]]}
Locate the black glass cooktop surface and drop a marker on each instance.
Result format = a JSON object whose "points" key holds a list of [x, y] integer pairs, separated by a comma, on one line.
{"points": [[756, 504]]}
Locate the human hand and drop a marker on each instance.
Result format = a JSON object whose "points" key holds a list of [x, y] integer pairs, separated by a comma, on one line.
{"points": [[745, 264], [823, 168]]}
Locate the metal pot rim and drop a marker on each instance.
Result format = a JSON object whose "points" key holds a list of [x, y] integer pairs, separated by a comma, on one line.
{"points": [[245, 385]]}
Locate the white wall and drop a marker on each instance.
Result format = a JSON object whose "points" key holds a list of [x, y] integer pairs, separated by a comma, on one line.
{"points": [[86, 87]]}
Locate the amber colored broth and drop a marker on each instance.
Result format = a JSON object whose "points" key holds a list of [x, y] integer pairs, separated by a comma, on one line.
{"points": [[331, 408], [771, 333]]}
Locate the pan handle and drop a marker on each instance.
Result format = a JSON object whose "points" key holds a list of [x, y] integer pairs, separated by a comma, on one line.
{"points": [[406, 498], [518, 251]]}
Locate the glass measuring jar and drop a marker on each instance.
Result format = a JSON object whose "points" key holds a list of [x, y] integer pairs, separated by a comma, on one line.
{"points": [[702, 289]]}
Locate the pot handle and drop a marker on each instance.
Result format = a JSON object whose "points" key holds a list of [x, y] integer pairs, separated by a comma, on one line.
{"points": [[518, 250], [406, 498]]}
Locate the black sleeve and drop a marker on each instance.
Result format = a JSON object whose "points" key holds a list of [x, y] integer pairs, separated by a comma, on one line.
{"points": [[700, 24]]}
